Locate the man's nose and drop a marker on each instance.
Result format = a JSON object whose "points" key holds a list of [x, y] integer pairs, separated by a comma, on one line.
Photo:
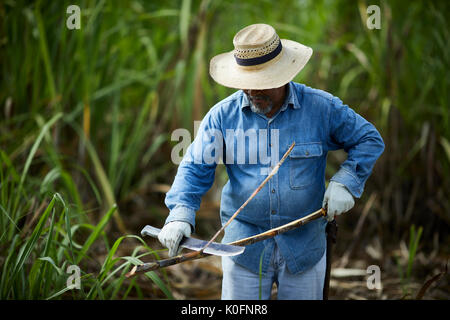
{"points": [[252, 92]]}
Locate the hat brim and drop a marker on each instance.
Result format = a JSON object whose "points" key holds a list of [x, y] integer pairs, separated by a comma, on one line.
{"points": [[272, 74]]}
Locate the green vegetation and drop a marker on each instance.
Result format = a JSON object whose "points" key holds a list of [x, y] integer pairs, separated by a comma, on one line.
{"points": [[86, 117], [405, 277]]}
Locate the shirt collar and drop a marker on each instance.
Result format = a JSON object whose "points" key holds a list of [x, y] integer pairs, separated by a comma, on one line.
{"points": [[291, 99]]}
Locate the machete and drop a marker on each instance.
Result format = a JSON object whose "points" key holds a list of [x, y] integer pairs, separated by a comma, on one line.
{"points": [[150, 266], [214, 248]]}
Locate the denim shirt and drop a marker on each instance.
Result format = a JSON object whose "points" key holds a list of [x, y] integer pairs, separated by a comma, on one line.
{"points": [[317, 122]]}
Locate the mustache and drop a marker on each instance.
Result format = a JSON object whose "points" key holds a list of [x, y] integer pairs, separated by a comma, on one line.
{"points": [[259, 97]]}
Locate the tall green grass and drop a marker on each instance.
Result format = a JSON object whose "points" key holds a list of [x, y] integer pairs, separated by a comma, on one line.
{"points": [[405, 271], [38, 246], [36, 264]]}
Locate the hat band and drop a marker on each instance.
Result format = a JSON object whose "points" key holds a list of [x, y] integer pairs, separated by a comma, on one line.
{"points": [[259, 60]]}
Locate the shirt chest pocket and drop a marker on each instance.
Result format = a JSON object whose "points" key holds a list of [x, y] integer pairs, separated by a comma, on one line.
{"points": [[304, 160]]}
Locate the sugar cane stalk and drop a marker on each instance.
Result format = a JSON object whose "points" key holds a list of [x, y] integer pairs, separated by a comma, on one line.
{"points": [[195, 254], [274, 171], [146, 267]]}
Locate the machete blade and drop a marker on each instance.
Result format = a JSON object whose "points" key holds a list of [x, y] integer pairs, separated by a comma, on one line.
{"points": [[218, 249]]}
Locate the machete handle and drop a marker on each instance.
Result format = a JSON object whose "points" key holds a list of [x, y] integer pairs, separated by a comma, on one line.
{"points": [[150, 231]]}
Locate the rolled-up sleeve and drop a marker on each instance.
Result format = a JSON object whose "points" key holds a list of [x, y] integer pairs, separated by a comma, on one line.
{"points": [[196, 172], [360, 139]]}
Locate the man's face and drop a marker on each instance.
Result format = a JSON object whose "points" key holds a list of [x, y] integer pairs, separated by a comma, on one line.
{"points": [[264, 101]]}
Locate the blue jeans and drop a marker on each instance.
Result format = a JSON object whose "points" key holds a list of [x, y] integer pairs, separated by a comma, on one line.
{"points": [[239, 283]]}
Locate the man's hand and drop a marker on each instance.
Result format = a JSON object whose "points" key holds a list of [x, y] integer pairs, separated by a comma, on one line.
{"points": [[171, 235], [338, 199]]}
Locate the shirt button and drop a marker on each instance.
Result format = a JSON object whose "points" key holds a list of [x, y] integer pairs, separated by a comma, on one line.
{"points": [[273, 212], [273, 190], [307, 153]]}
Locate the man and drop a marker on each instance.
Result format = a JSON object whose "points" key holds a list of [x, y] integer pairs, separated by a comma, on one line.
{"points": [[277, 112]]}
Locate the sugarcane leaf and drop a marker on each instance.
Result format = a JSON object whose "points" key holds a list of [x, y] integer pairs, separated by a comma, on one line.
{"points": [[96, 232]]}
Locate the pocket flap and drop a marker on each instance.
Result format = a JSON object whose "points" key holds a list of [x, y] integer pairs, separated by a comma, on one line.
{"points": [[307, 150]]}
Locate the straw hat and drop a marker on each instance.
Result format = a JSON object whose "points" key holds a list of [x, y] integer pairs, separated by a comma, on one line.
{"points": [[260, 60]]}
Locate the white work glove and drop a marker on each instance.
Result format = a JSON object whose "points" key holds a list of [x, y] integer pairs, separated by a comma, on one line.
{"points": [[338, 199], [171, 235]]}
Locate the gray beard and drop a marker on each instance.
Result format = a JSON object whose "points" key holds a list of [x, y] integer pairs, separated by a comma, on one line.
{"points": [[257, 108]]}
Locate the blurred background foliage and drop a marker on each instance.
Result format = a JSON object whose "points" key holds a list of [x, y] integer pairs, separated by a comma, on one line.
{"points": [[86, 118]]}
